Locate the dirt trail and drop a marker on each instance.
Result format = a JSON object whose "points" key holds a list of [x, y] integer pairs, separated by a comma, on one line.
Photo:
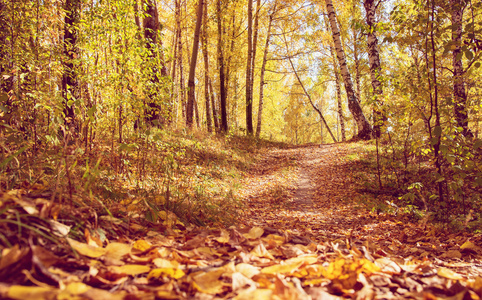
{"points": [[312, 192]]}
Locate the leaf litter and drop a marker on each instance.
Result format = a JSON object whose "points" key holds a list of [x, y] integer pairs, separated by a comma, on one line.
{"points": [[303, 234]]}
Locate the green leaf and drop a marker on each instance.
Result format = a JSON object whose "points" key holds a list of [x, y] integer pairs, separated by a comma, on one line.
{"points": [[437, 131]]}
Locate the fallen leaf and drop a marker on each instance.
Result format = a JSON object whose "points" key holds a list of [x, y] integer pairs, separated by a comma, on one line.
{"points": [[449, 274], [168, 272], [254, 233]]}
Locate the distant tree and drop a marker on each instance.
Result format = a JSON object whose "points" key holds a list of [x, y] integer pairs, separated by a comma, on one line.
{"points": [[192, 69]]}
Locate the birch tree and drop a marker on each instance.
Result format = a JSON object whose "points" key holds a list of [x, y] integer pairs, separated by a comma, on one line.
{"points": [[364, 128]]}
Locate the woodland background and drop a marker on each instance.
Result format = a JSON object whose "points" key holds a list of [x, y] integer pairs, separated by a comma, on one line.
{"points": [[114, 95]]}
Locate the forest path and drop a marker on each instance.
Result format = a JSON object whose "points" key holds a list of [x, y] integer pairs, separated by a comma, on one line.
{"points": [[312, 193], [303, 189]]}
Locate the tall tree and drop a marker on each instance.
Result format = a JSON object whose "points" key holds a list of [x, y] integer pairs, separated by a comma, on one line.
{"points": [[263, 67], [375, 69], [192, 69], [459, 93], [336, 71], [204, 45], [249, 94], [364, 128], [70, 78], [152, 28], [222, 72]]}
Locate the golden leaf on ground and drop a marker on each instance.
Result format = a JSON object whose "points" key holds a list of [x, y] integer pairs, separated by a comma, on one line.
{"points": [[254, 233], [259, 294], [282, 268], [86, 250], [130, 269], [468, 245], [32, 292], [165, 263], [209, 282], [240, 281], [141, 245], [388, 265], [117, 250], [167, 272], [449, 274], [260, 251], [247, 270], [224, 238]]}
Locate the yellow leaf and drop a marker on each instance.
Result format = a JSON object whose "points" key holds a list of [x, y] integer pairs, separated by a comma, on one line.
{"points": [[260, 251], [247, 270], [117, 250], [254, 233], [209, 282], [449, 274], [32, 292], [258, 294], [130, 269], [169, 272], [468, 246], [164, 263], [282, 268], [86, 250], [141, 245], [224, 238], [74, 288], [305, 259]]}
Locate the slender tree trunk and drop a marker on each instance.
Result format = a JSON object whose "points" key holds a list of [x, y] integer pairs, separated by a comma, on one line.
{"points": [[153, 111], [338, 94], [192, 70], [459, 94], [364, 128], [70, 81], [375, 68], [306, 92], [204, 44], [249, 94], [222, 74], [263, 67]]}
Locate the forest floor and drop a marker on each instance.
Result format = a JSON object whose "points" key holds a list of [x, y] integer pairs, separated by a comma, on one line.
{"points": [[306, 231]]}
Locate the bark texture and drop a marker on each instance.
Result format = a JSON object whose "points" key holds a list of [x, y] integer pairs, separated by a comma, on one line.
{"points": [[459, 93], [249, 93], [375, 68], [364, 128], [222, 73], [191, 99], [263, 68]]}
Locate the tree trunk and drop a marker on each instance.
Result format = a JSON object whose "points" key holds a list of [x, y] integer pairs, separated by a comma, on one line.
{"points": [[70, 81], [249, 94], [459, 94], [222, 84], [192, 70], [338, 94], [375, 68], [153, 111], [306, 92], [364, 128], [263, 67], [204, 45]]}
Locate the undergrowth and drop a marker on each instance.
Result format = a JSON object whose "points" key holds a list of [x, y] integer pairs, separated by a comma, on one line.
{"points": [[161, 179], [401, 180]]}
